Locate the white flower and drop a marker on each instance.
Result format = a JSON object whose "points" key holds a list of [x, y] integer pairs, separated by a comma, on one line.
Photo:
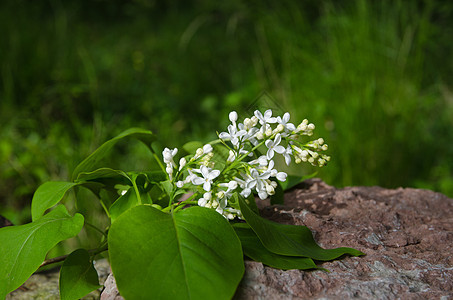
{"points": [[233, 116], [284, 121], [231, 186], [287, 155], [281, 176], [180, 184], [274, 146], [208, 176], [168, 156], [262, 161], [231, 156], [233, 134], [246, 192], [182, 163], [266, 118], [207, 149], [202, 202], [257, 181]]}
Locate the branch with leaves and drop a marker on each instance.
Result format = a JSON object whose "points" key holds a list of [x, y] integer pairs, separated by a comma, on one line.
{"points": [[163, 244]]}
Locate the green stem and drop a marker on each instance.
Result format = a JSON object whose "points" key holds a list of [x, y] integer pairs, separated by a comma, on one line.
{"points": [[157, 158], [170, 207], [237, 161], [105, 208], [96, 228], [184, 203]]}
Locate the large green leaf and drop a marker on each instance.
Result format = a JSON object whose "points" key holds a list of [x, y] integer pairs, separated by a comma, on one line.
{"points": [[90, 163], [192, 254], [123, 203], [23, 248], [104, 174], [47, 195], [78, 276], [290, 240], [253, 248]]}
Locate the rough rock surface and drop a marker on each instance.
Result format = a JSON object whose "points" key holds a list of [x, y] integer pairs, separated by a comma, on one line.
{"points": [[407, 235], [44, 285]]}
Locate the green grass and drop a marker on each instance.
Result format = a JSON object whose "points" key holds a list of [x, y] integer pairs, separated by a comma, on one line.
{"points": [[375, 77]]}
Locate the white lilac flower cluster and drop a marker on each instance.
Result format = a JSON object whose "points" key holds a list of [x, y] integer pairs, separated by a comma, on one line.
{"points": [[245, 171]]}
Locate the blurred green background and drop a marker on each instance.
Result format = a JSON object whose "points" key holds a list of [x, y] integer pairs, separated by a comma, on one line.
{"points": [[374, 76]]}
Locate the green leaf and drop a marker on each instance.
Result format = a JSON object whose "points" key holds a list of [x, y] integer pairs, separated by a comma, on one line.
{"points": [[290, 240], [250, 201], [253, 248], [78, 277], [47, 195], [192, 254], [278, 197], [191, 147], [123, 203], [23, 248], [220, 157], [167, 186], [90, 163], [103, 174], [156, 176]]}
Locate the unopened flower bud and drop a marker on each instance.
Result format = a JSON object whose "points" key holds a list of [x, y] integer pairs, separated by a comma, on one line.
{"points": [[233, 116], [269, 189], [169, 169], [182, 163], [259, 135], [301, 127], [180, 184]]}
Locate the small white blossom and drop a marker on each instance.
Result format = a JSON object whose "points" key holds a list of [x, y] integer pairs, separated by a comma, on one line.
{"points": [[233, 116], [287, 155], [274, 146], [266, 118], [208, 176], [257, 180], [182, 163], [207, 149], [233, 134], [231, 156], [284, 121], [169, 155]]}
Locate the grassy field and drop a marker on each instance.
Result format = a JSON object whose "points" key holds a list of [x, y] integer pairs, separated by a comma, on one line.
{"points": [[374, 76]]}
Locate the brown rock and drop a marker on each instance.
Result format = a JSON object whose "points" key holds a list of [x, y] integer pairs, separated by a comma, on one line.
{"points": [[407, 235]]}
